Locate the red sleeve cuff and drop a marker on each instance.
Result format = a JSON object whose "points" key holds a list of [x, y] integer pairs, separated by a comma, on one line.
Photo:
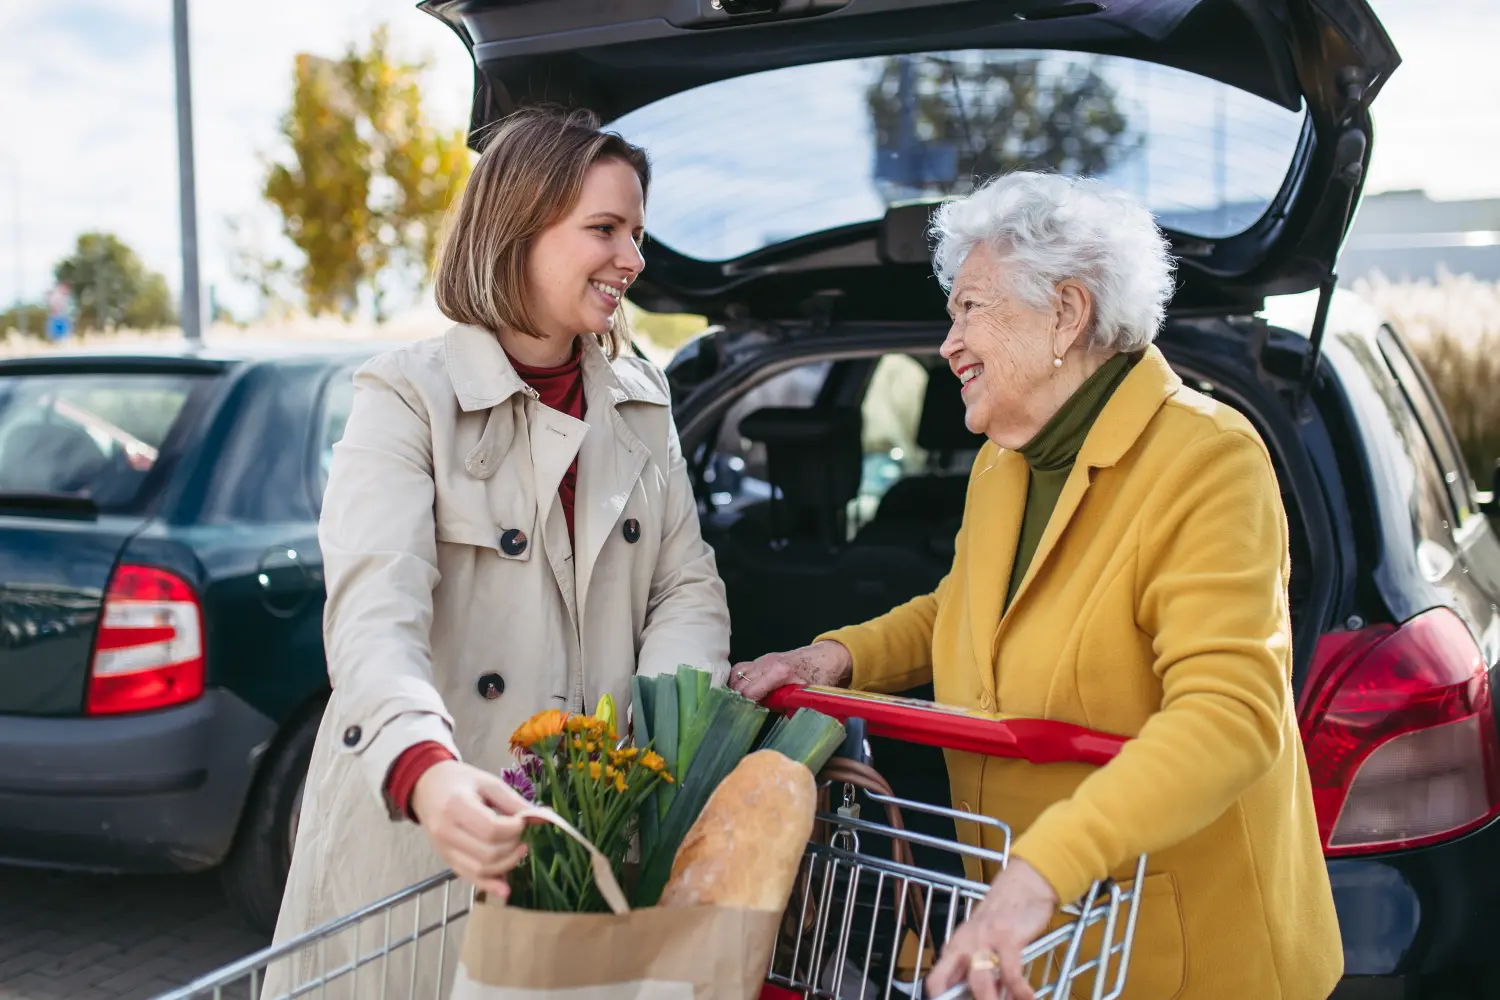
{"points": [[411, 765]]}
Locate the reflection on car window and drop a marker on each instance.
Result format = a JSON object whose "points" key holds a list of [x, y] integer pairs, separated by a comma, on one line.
{"points": [[1419, 477], [1434, 425], [743, 163], [86, 434], [338, 400], [891, 410]]}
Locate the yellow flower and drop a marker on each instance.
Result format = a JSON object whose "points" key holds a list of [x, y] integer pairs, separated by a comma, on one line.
{"points": [[668, 778], [619, 782], [605, 712], [595, 769], [578, 723], [577, 743], [625, 756], [540, 727], [653, 761]]}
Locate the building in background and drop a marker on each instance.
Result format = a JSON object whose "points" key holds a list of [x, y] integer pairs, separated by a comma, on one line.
{"points": [[1405, 235]]}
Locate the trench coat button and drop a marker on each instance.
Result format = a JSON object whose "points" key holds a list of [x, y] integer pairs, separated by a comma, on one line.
{"points": [[352, 735], [491, 686], [513, 542], [632, 530]]}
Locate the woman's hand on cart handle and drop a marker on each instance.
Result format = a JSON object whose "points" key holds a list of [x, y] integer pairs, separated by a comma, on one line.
{"points": [[985, 951], [825, 663], [470, 817]]}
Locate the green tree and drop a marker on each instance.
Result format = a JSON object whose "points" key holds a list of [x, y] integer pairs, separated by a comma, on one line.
{"points": [[112, 288], [998, 113], [368, 180]]}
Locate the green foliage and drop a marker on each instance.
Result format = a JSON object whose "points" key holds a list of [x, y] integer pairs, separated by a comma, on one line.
{"points": [[369, 179], [112, 288]]}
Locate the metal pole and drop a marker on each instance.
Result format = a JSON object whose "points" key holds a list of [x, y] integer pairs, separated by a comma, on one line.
{"points": [[15, 166], [192, 315]]}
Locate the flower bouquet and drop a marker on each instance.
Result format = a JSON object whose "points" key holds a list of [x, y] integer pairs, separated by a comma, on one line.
{"points": [[577, 766]]}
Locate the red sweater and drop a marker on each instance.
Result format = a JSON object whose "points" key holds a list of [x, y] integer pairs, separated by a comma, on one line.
{"points": [[561, 388]]}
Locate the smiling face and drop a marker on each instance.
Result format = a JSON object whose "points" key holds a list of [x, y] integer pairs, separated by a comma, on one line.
{"points": [[580, 266], [1016, 364]]}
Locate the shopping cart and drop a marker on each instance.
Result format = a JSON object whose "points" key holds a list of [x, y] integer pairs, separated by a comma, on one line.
{"points": [[874, 902]]}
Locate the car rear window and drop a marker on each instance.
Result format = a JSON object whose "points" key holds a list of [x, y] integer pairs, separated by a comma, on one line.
{"points": [[755, 160], [92, 434]]}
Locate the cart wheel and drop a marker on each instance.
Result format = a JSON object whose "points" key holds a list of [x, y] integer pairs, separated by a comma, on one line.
{"points": [[254, 874]]}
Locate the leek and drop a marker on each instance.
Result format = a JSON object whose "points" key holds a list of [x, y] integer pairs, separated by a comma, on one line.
{"points": [[807, 737], [735, 721]]}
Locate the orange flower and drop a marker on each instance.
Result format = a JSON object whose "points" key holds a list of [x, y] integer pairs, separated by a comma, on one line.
{"points": [[595, 770], [653, 761], [537, 729]]}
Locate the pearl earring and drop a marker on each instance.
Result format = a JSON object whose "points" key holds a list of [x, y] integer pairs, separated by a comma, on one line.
{"points": [[1057, 362]]}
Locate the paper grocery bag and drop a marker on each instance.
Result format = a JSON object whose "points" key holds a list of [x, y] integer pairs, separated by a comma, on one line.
{"points": [[670, 953], [685, 953]]}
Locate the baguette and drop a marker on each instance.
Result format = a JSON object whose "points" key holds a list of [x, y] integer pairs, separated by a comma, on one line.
{"points": [[746, 846]]}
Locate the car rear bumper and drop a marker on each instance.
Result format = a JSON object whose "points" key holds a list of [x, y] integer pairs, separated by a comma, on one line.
{"points": [[159, 791], [1421, 923]]}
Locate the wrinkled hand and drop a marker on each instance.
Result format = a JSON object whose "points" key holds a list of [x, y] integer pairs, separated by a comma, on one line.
{"points": [[470, 817], [1017, 910], [827, 663]]}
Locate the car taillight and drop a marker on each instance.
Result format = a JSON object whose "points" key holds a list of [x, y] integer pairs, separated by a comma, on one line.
{"points": [[149, 650], [1400, 735]]}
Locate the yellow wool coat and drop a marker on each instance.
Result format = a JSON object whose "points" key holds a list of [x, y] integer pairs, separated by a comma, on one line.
{"points": [[1155, 608]]}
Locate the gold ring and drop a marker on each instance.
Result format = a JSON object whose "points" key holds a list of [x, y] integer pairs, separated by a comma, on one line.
{"points": [[986, 960]]}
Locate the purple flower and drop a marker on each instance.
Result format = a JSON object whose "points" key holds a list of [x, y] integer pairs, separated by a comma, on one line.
{"points": [[531, 767], [516, 778]]}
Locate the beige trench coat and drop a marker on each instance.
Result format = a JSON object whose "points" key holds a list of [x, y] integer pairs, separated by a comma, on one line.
{"points": [[446, 450]]}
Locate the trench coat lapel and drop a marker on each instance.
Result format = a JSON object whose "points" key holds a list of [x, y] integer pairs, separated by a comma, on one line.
{"points": [[610, 460], [1118, 427]]}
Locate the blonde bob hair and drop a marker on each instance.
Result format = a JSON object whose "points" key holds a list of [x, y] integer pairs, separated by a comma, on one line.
{"points": [[529, 175]]}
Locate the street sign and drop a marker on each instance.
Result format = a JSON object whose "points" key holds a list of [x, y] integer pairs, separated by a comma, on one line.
{"points": [[59, 311]]}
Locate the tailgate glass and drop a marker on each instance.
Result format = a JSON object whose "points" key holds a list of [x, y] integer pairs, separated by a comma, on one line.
{"points": [[755, 160], [92, 434]]}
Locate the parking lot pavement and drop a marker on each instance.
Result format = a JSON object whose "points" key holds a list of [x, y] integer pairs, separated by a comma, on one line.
{"points": [[105, 937]]}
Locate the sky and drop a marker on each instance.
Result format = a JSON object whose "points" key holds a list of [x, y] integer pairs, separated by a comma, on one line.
{"points": [[88, 128]]}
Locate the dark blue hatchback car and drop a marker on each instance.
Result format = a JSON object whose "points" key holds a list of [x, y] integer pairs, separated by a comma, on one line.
{"points": [[161, 596], [798, 146]]}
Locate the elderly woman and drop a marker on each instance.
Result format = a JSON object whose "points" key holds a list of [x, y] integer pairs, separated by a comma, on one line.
{"points": [[1122, 565]]}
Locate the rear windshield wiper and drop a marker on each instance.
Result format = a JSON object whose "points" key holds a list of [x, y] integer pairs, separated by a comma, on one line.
{"points": [[48, 504]]}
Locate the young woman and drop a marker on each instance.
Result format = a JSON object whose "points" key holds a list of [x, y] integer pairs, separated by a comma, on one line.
{"points": [[508, 527]]}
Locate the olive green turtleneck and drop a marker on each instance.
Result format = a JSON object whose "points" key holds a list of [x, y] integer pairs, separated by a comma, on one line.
{"points": [[1050, 456]]}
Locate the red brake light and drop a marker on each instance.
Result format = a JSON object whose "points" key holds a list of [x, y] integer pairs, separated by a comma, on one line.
{"points": [[1400, 735], [149, 649]]}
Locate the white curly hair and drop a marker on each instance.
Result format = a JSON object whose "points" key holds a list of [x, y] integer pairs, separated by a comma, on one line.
{"points": [[1053, 228]]}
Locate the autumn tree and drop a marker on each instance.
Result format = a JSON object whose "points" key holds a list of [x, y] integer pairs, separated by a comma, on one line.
{"points": [[943, 121], [112, 288], [368, 179]]}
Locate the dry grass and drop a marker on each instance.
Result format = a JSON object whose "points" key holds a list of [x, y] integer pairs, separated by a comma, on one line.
{"points": [[1453, 326]]}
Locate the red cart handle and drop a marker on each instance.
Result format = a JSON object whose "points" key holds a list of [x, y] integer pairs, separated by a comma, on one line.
{"points": [[1036, 740]]}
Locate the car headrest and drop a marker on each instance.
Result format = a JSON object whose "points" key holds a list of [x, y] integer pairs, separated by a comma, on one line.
{"points": [[815, 454], [50, 457], [941, 427]]}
